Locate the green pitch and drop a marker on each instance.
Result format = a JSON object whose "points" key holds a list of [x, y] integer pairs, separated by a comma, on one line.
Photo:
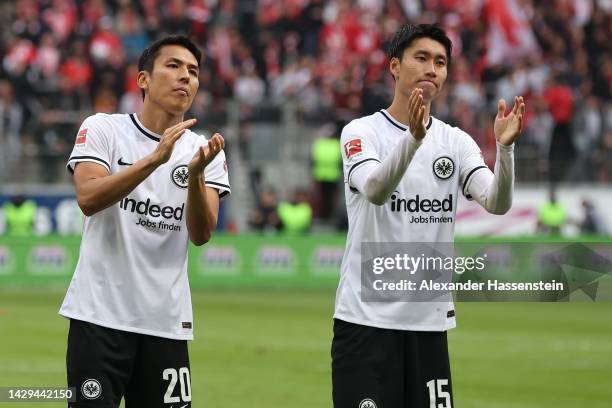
{"points": [[270, 349]]}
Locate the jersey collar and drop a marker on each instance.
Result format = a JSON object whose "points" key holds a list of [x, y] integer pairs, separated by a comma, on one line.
{"points": [[142, 129], [398, 124]]}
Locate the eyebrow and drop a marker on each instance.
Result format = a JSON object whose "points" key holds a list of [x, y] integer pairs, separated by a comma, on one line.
{"points": [[177, 60]]}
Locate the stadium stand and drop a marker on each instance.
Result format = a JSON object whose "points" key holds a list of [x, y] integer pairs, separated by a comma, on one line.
{"points": [[278, 72]]}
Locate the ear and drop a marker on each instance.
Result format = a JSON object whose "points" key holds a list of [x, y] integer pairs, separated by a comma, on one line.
{"points": [[143, 79], [394, 67]]}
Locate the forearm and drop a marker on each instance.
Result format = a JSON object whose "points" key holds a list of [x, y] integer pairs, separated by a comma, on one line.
{"points": [[201, 219], [494, 190], [97, 193], [376, 181]]}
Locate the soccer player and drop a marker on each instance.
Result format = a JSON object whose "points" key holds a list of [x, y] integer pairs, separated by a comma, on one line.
{"points": [[395, 354], [147, 185]]}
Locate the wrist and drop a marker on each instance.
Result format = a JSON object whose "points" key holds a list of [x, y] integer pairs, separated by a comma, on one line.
{"points": [[418, 140], [195, 175], [414, 139], [505, 139], [153, 160]]}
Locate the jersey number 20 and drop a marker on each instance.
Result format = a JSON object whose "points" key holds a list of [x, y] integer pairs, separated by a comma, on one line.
{"points": [[181, 376]]}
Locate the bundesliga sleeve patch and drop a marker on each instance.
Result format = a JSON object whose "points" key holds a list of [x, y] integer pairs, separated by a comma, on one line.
{"points": [[352, 148], [81, 138]]}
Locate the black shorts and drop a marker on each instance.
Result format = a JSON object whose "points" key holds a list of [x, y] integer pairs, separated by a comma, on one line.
{"points": [[383, 368], [105, 365]]}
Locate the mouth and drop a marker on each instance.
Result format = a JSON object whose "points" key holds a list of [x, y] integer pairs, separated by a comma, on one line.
{"points": [[181, 91], [426, 81]]}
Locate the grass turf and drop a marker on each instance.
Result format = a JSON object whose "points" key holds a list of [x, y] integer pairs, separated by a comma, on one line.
{"points": [[266, 348]]}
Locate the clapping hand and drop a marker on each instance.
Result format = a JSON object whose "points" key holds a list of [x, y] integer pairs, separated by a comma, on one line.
{"points": [[206, 154], [508, 128], [416, 114]]}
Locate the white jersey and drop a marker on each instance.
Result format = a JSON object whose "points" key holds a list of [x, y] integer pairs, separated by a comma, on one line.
{"points": [[421, 209], [132, 269]]}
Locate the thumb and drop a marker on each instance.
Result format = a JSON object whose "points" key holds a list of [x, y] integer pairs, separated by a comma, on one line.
{"points": [[198, 155], [501, 108]]}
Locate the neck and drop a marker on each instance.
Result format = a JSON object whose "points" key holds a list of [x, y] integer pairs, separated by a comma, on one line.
{"points": [[156, 119], [399, 109]]}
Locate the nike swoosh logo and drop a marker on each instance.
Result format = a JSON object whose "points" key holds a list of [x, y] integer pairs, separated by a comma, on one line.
{"points": [[122, 163], [181, 406]]}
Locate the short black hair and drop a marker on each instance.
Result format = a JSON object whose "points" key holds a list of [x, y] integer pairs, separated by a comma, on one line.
{"points": [[408, 33], [148, 56]]}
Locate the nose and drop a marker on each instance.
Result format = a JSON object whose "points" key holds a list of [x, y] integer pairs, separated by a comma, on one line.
{"points": [[430, 69], [184, 74]]}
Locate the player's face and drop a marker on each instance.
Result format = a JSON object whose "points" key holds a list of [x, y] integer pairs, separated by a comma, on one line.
{"points": [[423, 65], [173, 82]]}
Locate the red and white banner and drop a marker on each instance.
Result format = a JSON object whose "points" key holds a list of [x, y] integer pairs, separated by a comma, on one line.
{"points": [[509, 36]]}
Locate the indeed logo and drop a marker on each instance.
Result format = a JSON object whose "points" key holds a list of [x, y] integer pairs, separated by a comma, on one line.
{"points": [[153, 210], [416, 204]]}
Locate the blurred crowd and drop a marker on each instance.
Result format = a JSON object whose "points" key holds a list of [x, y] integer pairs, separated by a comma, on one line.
{"points": [[62, 60]]}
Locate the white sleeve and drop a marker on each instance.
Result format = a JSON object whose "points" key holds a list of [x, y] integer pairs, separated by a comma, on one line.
{"points": [[92, 144], [216, 175], [493, 190], [358, 142], [364, 170]]}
